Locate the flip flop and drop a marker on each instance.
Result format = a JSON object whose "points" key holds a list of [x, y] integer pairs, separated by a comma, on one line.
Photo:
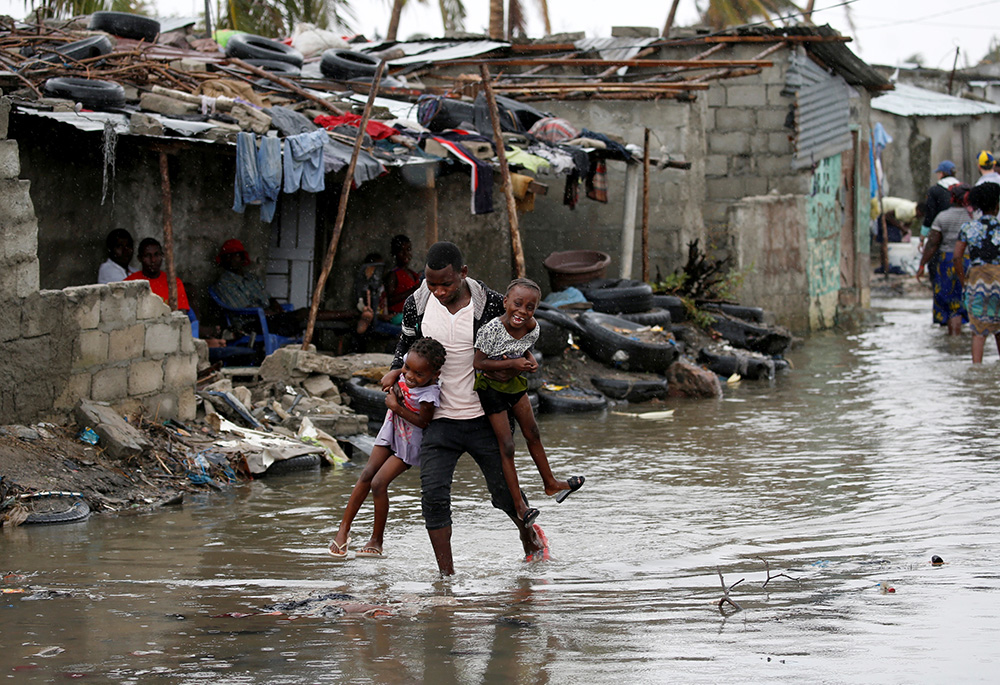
{"points": [[529, 516], [575, 483], [341, 552], [368, 553], [543, 553]]}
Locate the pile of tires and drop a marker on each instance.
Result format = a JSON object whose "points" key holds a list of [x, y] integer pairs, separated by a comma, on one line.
{"points": [[275, 67], [345, 65], [618, 295], [302, 462], [752, 314], [95, 46], [367, 398], [125, 25], [91, 93], [618, 348], [247, 46], [673, 304]]}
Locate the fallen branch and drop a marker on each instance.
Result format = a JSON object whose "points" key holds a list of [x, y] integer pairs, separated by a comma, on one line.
{"points": [[767, 567], [726, 590]]}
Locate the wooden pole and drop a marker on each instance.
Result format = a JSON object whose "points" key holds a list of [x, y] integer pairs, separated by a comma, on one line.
{"points": [[628, 220], [294, 87], [338, 226], [431, 217], [508, 187], [645, 205], [168, 231]]}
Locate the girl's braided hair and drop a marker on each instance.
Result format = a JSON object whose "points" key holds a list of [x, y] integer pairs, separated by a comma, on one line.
{"points": [[523, 283], [431, 350]]}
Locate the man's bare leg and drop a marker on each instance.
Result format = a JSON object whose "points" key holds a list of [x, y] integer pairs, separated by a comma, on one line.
{"points": [[441, 544]]}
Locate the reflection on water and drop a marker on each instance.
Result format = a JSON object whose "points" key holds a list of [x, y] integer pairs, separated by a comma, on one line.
{"points": [[878, 451]]}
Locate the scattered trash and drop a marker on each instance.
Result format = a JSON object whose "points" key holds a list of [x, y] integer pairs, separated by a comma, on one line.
{"points": [[734, 379], [89, 436], [647, 415], [50, 651], [885, 588], [936, 560]]}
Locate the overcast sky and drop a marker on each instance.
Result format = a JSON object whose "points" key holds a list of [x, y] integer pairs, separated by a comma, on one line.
{"points": [[887, 31]]}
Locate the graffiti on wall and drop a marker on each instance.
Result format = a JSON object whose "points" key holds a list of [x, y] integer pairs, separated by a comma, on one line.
{"points": [[824, 217]]}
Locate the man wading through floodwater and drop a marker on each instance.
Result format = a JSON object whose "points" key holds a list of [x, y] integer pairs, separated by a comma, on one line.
{"points": [[450, 308]]}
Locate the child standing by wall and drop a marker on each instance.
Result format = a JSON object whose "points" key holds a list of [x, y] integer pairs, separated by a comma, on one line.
{"points": [[503, 357], [411, 403]]}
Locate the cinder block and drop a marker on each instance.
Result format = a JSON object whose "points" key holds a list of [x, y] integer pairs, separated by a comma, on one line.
{"points": [[733, 143], [735, 119], [16, 201], [109, 384], [18, 277], [126, 343], [772, 119], [724, 188], [150, 306], [755, 185], [742, 165], [180, 371], [780, 144], [758, 143], [714, 213], [164, 406], [775, 96], [118, 305], [10, 319], [19, 241], [187, 408], [4, 116], [83, 304], [161, 339], [10, 163], [145, 377], [794, 184], [92, 349], [716, 95], [716, 165], [774, 165], [746, 96], [42, 313], [77, 388]]}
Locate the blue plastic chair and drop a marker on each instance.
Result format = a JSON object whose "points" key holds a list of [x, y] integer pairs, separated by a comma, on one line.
{"points": [[272, 341], [195, 326]]}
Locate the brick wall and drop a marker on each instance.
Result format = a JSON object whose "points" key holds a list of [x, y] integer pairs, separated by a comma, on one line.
{"points": [[116, 343]]}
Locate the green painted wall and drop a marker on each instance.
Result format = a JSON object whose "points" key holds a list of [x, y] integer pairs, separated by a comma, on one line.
{"points": [[824, 220]]}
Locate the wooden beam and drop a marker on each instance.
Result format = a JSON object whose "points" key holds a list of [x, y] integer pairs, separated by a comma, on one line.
{"points": [[338, 226], [645, 205], [607, 87], [584, 62], [168, 231], [776, 39], [508, 186], [285, 83]]}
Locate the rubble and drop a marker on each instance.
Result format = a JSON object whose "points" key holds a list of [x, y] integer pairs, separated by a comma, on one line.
{"points": [[121, 440]]}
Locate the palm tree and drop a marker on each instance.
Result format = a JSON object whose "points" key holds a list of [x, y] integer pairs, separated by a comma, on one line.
{"points": [[517, 19], [722, 13], [278, 18], [452, 16], [75, 8]]}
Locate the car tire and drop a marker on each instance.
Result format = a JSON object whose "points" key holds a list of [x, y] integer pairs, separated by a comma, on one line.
{"points": [[570, 400], [95, 46], [91, 93], [248, 46], [65, 511], [125, 25], [552, 339], [654, 317], [301, 462], [631, 390], [747, 365], [344, 65], [366, 398], [618, 296], [275, 66], [603, 344], [673, 304]]}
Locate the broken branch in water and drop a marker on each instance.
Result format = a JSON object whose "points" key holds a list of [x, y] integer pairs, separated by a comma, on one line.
{"points": [[726, 590], [767, 567]]}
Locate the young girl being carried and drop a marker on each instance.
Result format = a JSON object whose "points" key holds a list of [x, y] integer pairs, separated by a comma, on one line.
{"points": [[502, 358], [411, 403]]}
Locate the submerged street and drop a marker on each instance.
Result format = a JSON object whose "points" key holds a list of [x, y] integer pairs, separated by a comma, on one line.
{"points": [[846, 474]]}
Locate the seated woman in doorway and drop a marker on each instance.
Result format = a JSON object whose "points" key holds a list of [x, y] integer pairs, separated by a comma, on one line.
{"points": [[240, 290]]}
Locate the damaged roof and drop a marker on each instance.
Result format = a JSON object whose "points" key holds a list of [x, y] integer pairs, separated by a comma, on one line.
{"points": [[912, 101]]}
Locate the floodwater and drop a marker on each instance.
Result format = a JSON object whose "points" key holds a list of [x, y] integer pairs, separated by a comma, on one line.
{"points": [[878, 451]]}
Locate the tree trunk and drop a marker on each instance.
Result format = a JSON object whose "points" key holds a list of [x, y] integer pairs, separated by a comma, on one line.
{"points": [[670, 18], [543, 5], [397, 10], [496, 20], [807, 13]]}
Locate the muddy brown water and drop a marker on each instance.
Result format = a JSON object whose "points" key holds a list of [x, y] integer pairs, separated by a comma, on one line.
{"points": [[877, 452]]}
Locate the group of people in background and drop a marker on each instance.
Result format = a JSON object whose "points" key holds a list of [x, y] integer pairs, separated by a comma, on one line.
{"points": [[960, 240]]}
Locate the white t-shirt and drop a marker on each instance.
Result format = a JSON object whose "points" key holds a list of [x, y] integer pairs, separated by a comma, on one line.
{"points": [[991, 177], [111, 271], [454, 331]]}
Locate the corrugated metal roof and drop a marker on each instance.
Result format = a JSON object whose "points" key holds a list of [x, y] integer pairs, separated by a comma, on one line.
{"points": [[418, 52], [822, 120], [614, 48], [911, 101]]}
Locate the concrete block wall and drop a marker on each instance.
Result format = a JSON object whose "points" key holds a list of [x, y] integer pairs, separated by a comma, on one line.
{"points": [[116, 343]]}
